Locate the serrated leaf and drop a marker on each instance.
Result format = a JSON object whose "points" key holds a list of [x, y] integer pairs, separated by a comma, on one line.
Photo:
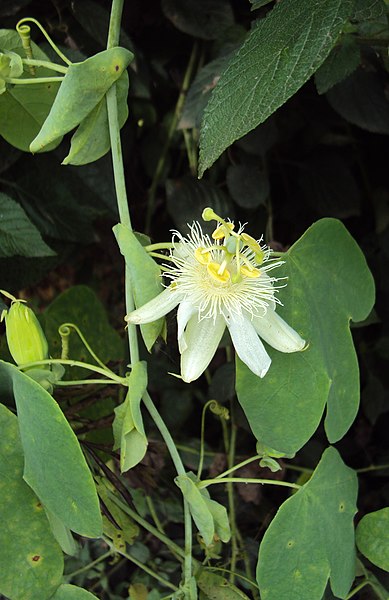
{"points": [[145, 278], [80, 305], [340, 63], [31, 560], [91, 141], [18, 235], [311, 538], [128, 427], [205, 19], [54, 467], [23, 109], [285, 407], [280, 54], [66, 591], [82, 88], [372, 537]]}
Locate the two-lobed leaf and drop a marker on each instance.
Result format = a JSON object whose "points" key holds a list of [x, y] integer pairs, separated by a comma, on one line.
{"points": [[329, 284], [54, 467], [280, 54], [311, 537], [31, 560], [84, 86]]}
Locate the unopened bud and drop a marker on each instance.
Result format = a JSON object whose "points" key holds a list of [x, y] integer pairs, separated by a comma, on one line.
{"points": [[26, 340]]}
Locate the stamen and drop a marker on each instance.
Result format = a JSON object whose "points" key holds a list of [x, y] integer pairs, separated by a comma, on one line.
{"points": [[250, 271], [214, 271], [222, 231], [202, 255]]}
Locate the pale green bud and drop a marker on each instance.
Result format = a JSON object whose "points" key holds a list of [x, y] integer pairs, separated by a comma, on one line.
{"points": [[26, 340]]}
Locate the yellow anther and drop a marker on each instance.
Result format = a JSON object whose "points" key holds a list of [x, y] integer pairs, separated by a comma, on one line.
{"points": [[251, 243], [250, 271], [213, 270], [203, 256], [223, 230]]}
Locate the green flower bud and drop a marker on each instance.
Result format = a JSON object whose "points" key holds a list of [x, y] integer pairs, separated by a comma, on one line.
{"points": [[26, 340]]}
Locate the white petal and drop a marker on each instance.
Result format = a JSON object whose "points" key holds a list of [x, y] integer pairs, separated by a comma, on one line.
{"points": [[202, 338], [247, 344], [156, 308], [276, 332], [186, 310]]}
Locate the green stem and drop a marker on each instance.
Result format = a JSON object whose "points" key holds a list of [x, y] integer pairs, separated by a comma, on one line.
{"points": [[74, 363], [231, 503], [18, 81], [64, 331], [48, 38], [357, 589], [206, 482], [372, 468], [140, 565], [239, 466], [248, 580], [89, 565], [147, 526], [86, 382], [172, 129], [46, 64], [160, 246], [201, 458]]}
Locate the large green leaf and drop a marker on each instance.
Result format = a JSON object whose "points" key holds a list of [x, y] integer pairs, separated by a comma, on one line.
{"points": [[205, 19], [83, 87], [280, 54], [31, 560], [373, 537], [54, 467], [18, 236], [145, 277], [311, 537], [24, 108], [128, 427], [80, 305], [329, 284]]}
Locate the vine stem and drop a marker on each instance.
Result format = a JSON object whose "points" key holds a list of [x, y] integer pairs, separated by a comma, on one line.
{"points": [[48, 38], [75, 363], [206, 482], [140, 565], [125, 219], [239, 466], [46, 64], [17, 81]]}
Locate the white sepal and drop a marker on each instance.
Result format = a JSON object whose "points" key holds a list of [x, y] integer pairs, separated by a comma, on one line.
{"points": [[202, 339]]}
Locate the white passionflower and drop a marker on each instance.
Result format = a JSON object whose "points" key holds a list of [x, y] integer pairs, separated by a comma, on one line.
{"points": [[218, 283]]}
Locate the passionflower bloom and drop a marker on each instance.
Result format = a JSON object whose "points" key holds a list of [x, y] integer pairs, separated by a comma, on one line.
{"points": [[217, 282]]}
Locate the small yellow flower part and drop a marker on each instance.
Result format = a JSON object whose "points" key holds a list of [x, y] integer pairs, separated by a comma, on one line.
{"points": [[250, 271], [26, 340], [222, 276], [202, 255], [251, 243], [222, 231]]}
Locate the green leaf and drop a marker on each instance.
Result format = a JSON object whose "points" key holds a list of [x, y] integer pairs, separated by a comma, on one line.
{"points": [[341, 62], [285, 407], [55, 467], [31, 560], [248, 185], [128, 427], [187, 198], [198, 507], [91, 140], [80, 305], [23, 109], [128, 530], [372, 537], [368, 9], [311, 537], [217, 587], [145, 277], [205, 19], [83, 87], [18, 236], [280, 54], [354, 97], [62, 534], [72, 592]]}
